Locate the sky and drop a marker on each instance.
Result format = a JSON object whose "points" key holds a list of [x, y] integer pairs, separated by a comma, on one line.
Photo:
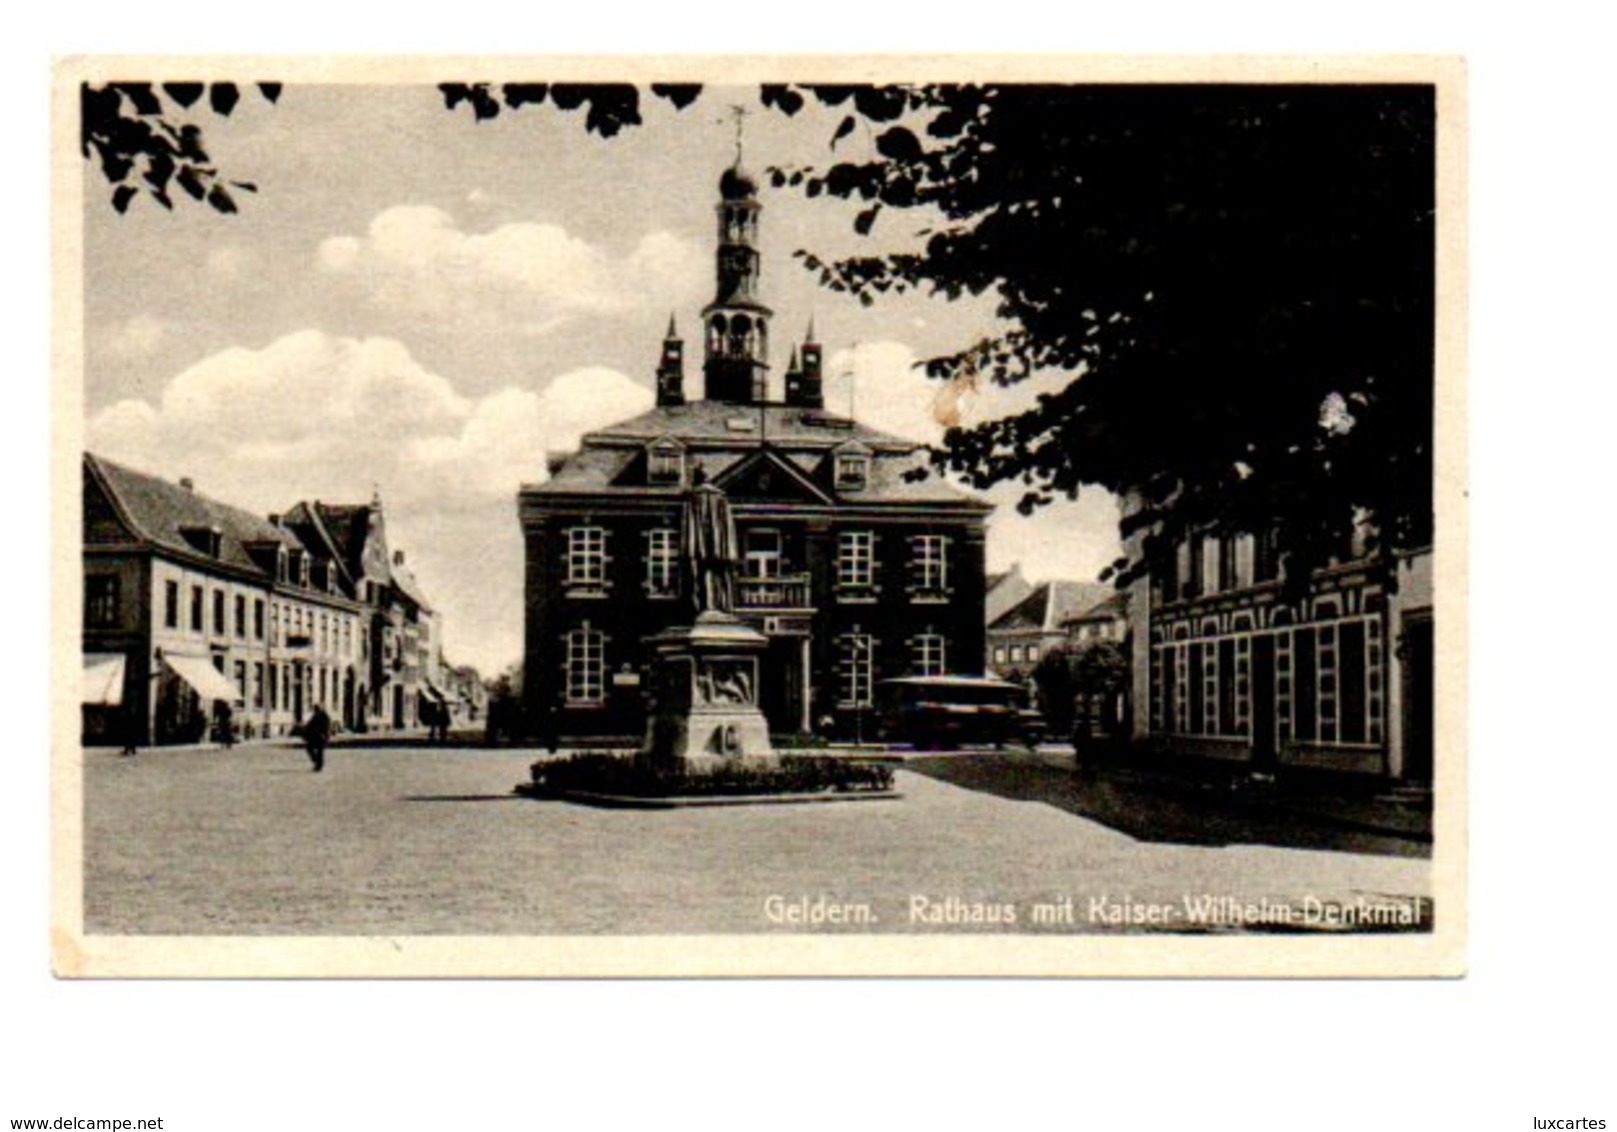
{"points": [[424, 306]]}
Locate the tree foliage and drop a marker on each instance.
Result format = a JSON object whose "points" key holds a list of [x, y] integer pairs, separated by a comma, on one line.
{"points": [[608, 107], [141, 137], [1238, 278]]}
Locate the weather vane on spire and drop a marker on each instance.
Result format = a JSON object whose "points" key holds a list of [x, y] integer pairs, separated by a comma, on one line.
{"points": [[738, 115]]}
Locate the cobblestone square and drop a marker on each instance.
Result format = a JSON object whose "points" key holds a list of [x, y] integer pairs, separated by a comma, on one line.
{"points": [[417, 841]]}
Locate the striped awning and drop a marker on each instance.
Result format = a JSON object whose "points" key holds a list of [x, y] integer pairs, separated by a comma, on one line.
{"points": [[104, 678], [200, 673]]}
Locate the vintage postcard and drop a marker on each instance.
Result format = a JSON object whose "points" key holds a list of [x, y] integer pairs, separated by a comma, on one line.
{"points": [[767, 517]]}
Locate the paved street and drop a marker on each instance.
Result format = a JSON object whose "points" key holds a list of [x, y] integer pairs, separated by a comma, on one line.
{"points": [[423, 841]]}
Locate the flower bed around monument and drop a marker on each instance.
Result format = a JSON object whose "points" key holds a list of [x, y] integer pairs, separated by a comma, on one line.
{"points": [[597, 773]]}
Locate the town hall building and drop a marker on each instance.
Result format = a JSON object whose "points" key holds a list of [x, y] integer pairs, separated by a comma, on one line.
{"points": [[854, 565]]}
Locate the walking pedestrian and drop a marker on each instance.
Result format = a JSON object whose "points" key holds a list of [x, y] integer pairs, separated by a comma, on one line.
{"points": [[316, 730], [129, 724]]}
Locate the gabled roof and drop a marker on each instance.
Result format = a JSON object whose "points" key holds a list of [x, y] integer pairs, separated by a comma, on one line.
{"points": [[1049, 605], [1003, 591], [308, 524], [159, 512], [1115, 606]]}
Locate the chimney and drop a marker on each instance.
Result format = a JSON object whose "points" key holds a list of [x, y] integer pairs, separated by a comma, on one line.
{"points": [[398, 558], [188, 483], [274, 519]]}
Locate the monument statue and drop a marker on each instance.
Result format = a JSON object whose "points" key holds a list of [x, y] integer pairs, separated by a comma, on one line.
{"points": [[705, 710], [709, 539]]}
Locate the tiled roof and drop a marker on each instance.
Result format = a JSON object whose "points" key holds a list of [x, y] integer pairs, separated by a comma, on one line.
{"points": [[1003, 591], [606, 463], [347, 524], [1049, 605], [1117, 605], [1068, 599], [161, 511], [782, 425]]}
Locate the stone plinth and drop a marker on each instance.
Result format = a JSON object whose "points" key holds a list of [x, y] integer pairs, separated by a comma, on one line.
{"points": [[704, 687]]}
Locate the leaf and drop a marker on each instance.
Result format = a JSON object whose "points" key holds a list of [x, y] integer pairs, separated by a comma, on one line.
{"points": [[898, 143], [191, 142], [862, 223], [191, 182], [844, 128], [245, 186], [680, 94], [140, 94], [569, 96], [223, 98], [185, 94], [270, 91], [159, 168], [525, 94], [483, 105], [781, 97], [121, 196], [612, 107], [880, 103], [220, 199]]}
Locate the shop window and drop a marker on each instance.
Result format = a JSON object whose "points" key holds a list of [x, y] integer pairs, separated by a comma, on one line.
{"points": [[101, 601]]}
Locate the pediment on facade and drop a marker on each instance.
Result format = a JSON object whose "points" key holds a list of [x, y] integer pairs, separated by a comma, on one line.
{"points": [[766, 475]]}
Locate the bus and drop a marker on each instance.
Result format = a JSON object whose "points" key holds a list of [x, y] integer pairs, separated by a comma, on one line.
{"points": [[933, 712]]}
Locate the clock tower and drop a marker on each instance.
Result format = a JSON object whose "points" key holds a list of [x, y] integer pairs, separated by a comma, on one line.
{"points": [[736, 324]]}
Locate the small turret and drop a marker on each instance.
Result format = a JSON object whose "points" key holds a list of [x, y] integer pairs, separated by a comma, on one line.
{"points": [[805, 387], [671, 368]]}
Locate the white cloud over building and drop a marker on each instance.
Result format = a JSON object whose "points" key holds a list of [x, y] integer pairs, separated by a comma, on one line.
{"points": [[319, 416], [416, 260]]}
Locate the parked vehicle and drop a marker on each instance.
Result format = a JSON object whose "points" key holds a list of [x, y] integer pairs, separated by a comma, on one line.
{"points": [[931, 712]]}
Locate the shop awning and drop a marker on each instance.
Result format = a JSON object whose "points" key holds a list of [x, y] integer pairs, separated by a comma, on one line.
{"points": [[200, 673], [104, 678]]}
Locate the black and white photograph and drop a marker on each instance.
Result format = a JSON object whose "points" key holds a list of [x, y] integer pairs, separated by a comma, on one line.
{"points": [[848, 566], [940, 521]]}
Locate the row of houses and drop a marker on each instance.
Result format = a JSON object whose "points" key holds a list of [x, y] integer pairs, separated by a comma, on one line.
{"points": [[196, 611], [1226, 665], [853, 563]]}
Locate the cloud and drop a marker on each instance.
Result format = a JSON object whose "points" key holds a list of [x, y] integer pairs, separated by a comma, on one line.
{"points": [[1073, 539], [138, 337], [890, 391], [885, 389], [231, 261], [319, 416], [586, 399], [415, 260]]}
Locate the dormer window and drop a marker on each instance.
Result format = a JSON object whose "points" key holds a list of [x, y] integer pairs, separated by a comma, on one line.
{"points": [[852, 467], [206, 540], [665, 463]]}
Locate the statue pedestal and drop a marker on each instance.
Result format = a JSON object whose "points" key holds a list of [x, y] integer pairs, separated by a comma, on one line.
{"points": [[704, 686]]}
